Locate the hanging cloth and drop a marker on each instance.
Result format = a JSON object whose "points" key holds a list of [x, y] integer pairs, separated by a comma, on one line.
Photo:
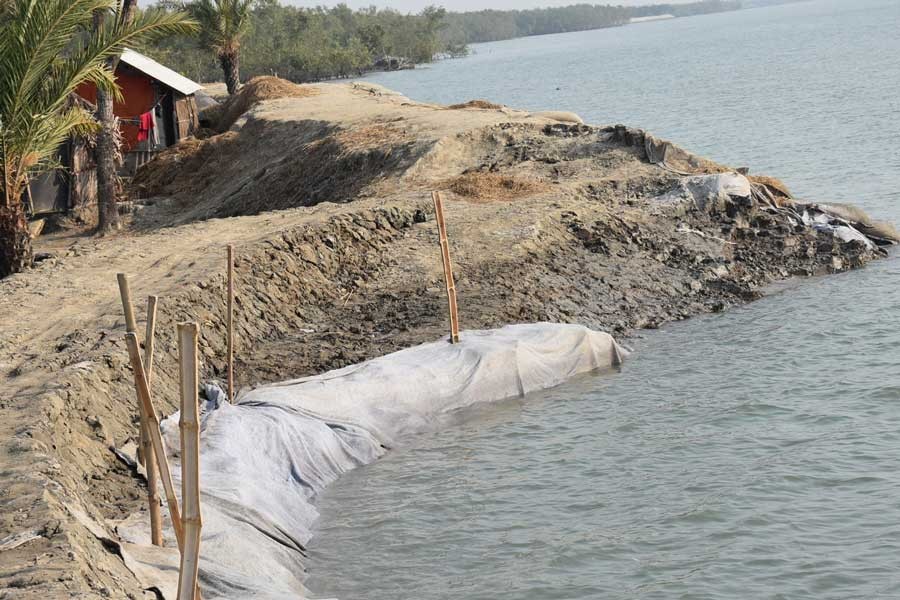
{"points": [[146, 124], [154, 130]]}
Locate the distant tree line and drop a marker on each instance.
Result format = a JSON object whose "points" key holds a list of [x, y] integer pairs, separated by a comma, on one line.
{"points": [[312, 44], [687, 10], [495, 25]]}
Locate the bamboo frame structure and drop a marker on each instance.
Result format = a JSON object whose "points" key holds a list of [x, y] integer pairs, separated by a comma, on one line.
{"points": [[145, 456], [448, 267], [156, 534], [159, 449], [188, 334], [230, 323]]}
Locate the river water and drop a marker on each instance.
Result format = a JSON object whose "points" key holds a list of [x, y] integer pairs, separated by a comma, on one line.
{"points": [[751, 454]]}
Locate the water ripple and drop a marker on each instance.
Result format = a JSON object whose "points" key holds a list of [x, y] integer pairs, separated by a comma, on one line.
{"points": [[751, 454]]}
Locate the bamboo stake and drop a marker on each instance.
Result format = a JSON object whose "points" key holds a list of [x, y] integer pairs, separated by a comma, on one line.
{"points": [[145, 456], [190, 460], [230, 323], [150, 337], [159, 450], [127, 306], [156, 534], [448, 267]]}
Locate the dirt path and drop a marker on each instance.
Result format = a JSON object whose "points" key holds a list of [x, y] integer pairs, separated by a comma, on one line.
{"points": [[55, 325], [76, 288]]}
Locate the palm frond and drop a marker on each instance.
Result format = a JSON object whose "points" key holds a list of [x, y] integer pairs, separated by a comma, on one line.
{"points": [[47, 50], [39, 32], [222, 22]]}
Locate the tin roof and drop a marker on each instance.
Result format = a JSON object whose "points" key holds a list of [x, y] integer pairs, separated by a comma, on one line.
{"points": [[161, 73]]}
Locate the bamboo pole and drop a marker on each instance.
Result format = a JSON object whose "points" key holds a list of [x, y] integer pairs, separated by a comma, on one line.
{"points": [[448, 267], [188, 334], [156, 534], [145, 456], [127, 306], [159, 450], [230, 323], [150, 337]]}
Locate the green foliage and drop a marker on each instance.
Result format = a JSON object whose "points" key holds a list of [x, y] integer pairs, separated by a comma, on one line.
{"points": [[311, 44], [687, 10], [222, 23], [494, 25], [48, 49]]}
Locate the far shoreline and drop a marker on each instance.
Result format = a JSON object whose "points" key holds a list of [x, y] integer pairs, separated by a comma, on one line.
{"points": [[474, 45]]}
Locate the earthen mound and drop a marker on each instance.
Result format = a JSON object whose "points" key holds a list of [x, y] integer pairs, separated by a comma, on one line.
{"points": [[202, 159], [255, 91], [270, 165]]}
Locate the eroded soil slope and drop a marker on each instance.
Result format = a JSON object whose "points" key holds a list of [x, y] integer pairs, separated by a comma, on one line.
{"points": [[548, 220]]}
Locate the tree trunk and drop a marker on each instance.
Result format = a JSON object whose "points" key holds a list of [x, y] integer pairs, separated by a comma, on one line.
{"points": [[15, 241], [107, 151], [106, 164], [230, 62]]}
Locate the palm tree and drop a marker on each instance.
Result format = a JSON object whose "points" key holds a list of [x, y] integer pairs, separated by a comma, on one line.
{"points": [[47, 50], [222, 25]]}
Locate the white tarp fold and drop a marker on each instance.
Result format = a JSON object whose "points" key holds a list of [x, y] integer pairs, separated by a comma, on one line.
{"points": [[264, 459]]}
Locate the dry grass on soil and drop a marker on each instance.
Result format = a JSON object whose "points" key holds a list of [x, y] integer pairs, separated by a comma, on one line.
{"points": [[204, 159], [475, 104], [495, 186], [380, 135], [776, 186], [254, 91]]}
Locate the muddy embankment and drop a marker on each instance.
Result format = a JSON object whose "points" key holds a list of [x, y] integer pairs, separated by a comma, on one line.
{"points": [[549, 220]]}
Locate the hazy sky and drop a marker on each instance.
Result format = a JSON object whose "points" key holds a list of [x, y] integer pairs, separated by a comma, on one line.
{"points": [[463, 5]]}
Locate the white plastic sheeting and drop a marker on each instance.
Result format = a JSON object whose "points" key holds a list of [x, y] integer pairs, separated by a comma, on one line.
{"points": [[264, 459], [880, 232], [842, 230], [707, 192]]}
